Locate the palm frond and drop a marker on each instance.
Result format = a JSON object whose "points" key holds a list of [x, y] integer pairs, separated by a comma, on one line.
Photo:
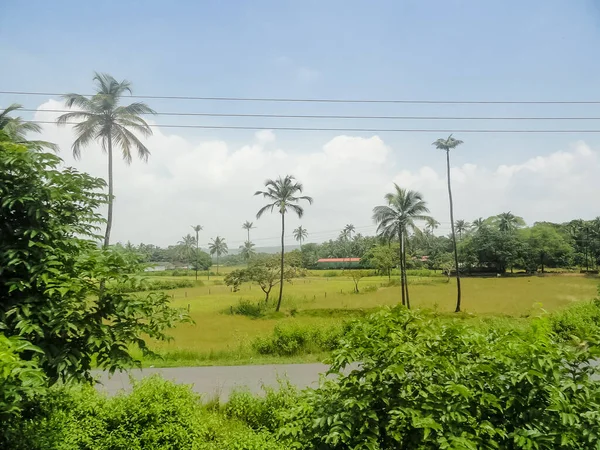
{"points": [[79, 101], [269, 207], [126, 139]]}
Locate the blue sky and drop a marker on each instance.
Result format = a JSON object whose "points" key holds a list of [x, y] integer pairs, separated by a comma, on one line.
{"points": [[454, 50]]}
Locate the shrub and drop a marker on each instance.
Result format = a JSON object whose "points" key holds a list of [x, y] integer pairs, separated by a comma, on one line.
{"points": [[157, 415], [580, 320], [144, 284], [295, 340], [249, 309], [332, 273], [429, 384], [369, 288]]}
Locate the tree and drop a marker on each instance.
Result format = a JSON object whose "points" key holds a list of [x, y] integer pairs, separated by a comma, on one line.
{"points": [[197, 229], [508, 222], [17, 129], [102, 119], [449, 144], [431, 224], [51, 271], [356, 276], [461, 227], [478, 224], [247, 225], [300, 234], [247, 250], [383, 257], [187, 248], [283, 195], [349, 229], [547, 247], [218, 247], [395, 220]]}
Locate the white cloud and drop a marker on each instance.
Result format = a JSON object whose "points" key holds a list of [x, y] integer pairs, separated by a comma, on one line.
{"points": [[212, 184]]}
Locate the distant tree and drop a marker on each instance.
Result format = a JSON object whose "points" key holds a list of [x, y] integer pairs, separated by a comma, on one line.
{"points": [[395, 220], [187, 249], [218, 247], [101, 118], [247, 225], [197, 229], [349, 229], [247, 251], [283, 195], [383, 258], [547, 247], [300, 234], [431, 224], [508, 222], [478, 224], [446, 145], [17, 129], [356, 276], [462, 226]]}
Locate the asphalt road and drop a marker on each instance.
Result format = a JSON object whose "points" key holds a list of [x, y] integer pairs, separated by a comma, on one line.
{"points": [[220, 380]]}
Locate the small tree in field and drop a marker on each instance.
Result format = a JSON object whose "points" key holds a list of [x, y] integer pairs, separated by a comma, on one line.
{"points": [[356, 276]]}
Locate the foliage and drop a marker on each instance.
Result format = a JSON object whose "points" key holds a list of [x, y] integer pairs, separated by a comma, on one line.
{"points": [[581, 320], [547, 247], [16, 129], [356, 276], [20, 380], [295, 340], [426, 384], [157, 415], [249, 309], [383, 257], [52, 273], [142, 284]]}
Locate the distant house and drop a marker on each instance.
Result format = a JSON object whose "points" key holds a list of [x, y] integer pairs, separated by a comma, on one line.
{"points": [[338, 263]]}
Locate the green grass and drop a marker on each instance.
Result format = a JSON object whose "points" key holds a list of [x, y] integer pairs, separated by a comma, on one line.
{"points": [[218, 338]]}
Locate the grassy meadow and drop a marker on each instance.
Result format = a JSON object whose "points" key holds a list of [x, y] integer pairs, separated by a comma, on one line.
{"points": [[325, 299]]}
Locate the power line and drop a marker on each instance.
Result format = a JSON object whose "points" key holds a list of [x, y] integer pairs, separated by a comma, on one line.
{"points": [[318, 116], [335, 100], [365, 130]]}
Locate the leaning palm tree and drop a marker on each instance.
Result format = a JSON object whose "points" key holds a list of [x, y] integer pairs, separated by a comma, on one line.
{"points": [[282, 194], [218, 247], [247, 251], [197, 229], [462, 226], [396, 219], [17, 129], [449, 144], [300, 234], [100, 118], [247, 225]]}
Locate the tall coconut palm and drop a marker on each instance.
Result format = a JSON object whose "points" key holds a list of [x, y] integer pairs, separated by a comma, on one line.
{"points": [[282, 194], [300, 234], [247, 225], [461, 226], [349, 229], [450, 144], [218, 247], [478, 224], [101, 118], [431, 225], [197, 229], [247, 251], [396, 219], [508, 222], [17, 129]]}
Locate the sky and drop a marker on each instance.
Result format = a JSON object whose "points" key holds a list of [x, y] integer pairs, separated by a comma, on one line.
{"points": [[418, 50]]}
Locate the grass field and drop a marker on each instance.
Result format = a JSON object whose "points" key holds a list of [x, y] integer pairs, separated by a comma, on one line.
{"points": [[217, 337]]}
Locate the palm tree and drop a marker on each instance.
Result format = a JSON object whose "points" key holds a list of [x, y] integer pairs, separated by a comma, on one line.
{"points": [[449, 144], [461, 226], [102, 119], [395, 220], [508, 222], [300, 234], [247, 225], [247, 250], [218, 246], [348, 230], [478, 224], [186, 247], [282, 194], [17, 129], [197, 229], [431, 224]]}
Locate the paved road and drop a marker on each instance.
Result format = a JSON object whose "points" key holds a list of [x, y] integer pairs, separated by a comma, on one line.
{"points": [[220, 380]]}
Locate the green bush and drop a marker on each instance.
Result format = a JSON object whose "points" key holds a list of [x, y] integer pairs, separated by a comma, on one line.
{"points": [[144, 284], [433, 384], [249, 309], [157, 415], [296, 340], [262, 412], [580, 320]]}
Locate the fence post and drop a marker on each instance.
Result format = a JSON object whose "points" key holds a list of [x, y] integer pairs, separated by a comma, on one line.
{"points": [[188, 308]]}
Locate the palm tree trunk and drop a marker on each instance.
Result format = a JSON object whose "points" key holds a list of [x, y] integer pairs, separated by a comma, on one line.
{"points": [[402, 268], [110, 192], [281, 268], [404, 272], [196, 256], [217, 263], [453, 234]]}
